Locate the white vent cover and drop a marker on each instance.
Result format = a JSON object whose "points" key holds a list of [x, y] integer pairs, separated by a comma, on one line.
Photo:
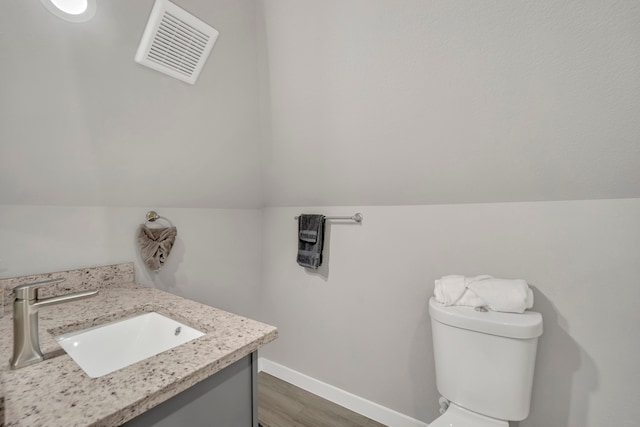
{"points": [[175, 42]]}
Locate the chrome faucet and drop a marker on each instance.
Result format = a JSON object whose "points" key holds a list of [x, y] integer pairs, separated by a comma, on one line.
{"points": [[26, 339]]}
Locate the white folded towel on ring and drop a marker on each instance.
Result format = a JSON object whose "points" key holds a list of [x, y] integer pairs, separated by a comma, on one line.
{"points": [[508, 295]]}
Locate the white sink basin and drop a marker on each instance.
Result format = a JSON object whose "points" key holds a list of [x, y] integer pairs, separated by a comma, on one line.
{"points": [[106, 348]]}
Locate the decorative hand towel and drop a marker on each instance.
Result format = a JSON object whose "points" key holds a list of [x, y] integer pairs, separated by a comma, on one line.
{"points": [[155, 244], [310, 240], [512, 296]]}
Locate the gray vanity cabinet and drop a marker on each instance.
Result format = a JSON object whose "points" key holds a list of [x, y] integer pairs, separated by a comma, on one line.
{"points": [[228, 398]]}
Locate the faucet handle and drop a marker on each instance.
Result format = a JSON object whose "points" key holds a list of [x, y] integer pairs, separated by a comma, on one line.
{"points": [[29, 291]]}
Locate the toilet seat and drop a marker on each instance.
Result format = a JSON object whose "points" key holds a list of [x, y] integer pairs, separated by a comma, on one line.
{"points": [[457, 416]]}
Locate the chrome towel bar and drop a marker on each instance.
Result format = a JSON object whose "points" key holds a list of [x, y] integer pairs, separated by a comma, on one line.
{"points": [[357, 217]]}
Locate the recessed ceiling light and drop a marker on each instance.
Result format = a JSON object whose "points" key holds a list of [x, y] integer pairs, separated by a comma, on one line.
{"points": [[72, 7], [71, 10]]}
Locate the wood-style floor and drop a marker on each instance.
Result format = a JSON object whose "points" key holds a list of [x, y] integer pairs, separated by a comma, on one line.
{"points": [[281, 404]]}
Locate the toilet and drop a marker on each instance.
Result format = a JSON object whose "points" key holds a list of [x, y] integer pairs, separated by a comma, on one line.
{"points": [[484, 364]]}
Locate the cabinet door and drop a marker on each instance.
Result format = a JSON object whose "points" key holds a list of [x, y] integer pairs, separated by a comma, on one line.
{"points": [[226, 399]]}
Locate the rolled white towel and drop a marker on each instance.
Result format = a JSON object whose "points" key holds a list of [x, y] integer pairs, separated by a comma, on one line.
{"points": [[508, 295], [452, 290]]}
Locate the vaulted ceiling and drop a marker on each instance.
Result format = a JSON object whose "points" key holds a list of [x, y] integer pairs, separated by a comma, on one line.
{"points": [[83, 124], [333, 102], [420, 102]]}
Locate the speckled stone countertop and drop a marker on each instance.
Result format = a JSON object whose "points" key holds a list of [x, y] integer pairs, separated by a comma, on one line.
{"points": [[57, 392]]}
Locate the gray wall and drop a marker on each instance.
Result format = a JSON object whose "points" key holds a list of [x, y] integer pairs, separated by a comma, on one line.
{"points": [[401, 103], [215, 259], [361, 323]]}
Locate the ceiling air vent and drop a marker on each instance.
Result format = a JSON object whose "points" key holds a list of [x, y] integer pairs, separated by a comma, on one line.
{"points": [[175, 42]]}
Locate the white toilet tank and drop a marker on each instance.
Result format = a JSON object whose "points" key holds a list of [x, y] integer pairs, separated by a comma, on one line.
{"points": [[485, 360]]}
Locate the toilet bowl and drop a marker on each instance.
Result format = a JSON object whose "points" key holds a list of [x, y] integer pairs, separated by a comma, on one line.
{"points": [[457, 416]]}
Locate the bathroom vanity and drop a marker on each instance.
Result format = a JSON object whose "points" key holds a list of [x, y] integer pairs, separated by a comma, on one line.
{"points": [[211, 380]]}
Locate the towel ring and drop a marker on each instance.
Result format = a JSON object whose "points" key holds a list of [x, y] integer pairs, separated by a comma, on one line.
{"points": [[152, 216]]}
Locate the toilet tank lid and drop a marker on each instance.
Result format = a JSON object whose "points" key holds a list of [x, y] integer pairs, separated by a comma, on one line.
{"points": [[511, 325]]}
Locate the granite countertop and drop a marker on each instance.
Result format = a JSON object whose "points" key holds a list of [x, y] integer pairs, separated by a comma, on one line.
{"points": [[57, 392]]}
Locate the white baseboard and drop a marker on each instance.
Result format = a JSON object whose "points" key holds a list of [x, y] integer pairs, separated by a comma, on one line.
{"points": [[357, 404]]}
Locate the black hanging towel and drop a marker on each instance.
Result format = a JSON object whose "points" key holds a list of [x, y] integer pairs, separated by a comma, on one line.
{"points": [[310, 240]]}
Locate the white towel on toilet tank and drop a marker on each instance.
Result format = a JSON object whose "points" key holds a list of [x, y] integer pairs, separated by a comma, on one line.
{"points": [[508, 295]]}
